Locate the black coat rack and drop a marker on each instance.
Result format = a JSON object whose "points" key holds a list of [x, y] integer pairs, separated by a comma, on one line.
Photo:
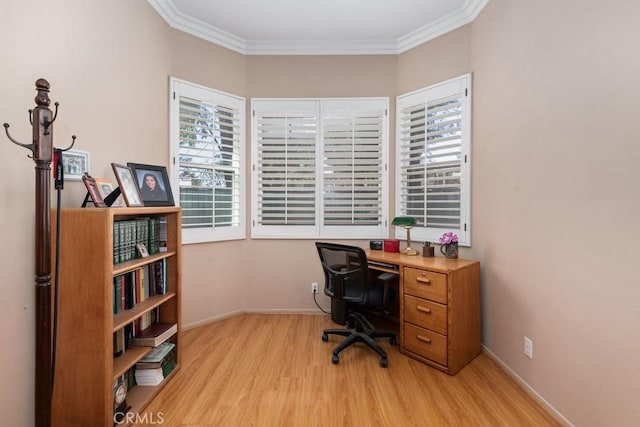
{"points": [[41, 152]]}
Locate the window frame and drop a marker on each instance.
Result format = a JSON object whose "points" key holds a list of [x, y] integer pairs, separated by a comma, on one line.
{"points": [[178, 87], [460, 84], [319, 229]]}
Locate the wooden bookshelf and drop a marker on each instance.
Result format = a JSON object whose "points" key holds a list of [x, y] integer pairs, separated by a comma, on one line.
{"points": [[85, 366]]}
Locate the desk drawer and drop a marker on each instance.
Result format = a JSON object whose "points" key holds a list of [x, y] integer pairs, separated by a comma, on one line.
{"points": [[426, 343], [426, 314], [425, 284]]}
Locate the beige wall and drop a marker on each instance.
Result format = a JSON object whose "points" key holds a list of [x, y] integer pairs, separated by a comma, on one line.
{"points": [[556, 199], [107, 64], [282, 271], [441, 59], [554, 168]]}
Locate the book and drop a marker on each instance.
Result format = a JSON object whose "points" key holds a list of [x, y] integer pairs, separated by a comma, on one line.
{"points": [[162, 234], [118, 342], [167, 362], [152, 373], [149, 376], [156, 354], [158, 277], [154, 334]]}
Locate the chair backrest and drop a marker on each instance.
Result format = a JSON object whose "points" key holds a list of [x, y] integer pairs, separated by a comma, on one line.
{"points": [[345, 271]]}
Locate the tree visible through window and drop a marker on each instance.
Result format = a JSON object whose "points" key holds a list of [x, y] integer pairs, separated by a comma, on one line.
{"points": [[433, 144], [209, 162]]}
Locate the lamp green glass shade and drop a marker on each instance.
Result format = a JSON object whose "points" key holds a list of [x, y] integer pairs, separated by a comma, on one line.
{"points": [[406, 222]]}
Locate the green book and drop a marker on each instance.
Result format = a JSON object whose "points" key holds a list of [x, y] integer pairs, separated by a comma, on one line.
{"points": [[156, 354]]}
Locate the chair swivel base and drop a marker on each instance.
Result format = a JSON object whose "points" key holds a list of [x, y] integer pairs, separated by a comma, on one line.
{"points": [[359, 330]]}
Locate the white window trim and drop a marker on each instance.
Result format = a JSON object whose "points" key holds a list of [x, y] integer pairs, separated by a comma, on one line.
{"points": [[208, 234], [319, 230], [423, 95]]}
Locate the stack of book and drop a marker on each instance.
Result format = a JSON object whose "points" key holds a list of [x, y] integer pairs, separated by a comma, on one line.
{"points": [[156, 365], [154, 334]]}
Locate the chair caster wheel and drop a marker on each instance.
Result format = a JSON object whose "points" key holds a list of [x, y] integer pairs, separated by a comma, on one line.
{"points": [[335, 359], [392, 341], [384, 363], [325, 337]]}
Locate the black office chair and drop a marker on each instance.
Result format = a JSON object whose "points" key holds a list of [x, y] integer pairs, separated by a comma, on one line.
{"points": [[348, 283]]}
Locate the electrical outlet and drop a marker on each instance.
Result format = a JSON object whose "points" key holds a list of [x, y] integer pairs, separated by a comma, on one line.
{"points": [[314, 288], [528, 347]]}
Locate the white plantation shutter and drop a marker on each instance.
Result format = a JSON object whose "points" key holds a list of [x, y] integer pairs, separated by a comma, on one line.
{"points": [[208, 128], [353, 154], [433, 144], [285, 166], [319, 168]]}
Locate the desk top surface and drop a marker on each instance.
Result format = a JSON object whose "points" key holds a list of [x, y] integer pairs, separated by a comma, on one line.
{"points": [[437, 263]]}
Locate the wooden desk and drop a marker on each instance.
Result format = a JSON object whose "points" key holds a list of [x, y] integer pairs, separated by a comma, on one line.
{"points": [[439, 308]]}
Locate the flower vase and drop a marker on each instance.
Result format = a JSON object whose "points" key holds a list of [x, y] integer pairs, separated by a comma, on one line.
{"points": [[449, 250]]}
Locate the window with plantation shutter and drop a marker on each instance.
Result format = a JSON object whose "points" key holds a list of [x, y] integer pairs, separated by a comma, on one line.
{"points": [[285, 167], [207, 131], [353, 144], [319, 168], [433, 159]]}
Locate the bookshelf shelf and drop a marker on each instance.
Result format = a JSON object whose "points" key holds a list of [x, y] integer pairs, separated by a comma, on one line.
{"points": [[127, 316], [127, 360], [139, 262], [87, 302], [142, 394]]}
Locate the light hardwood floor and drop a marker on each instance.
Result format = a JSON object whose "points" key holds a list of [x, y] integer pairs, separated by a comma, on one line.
{"points": [[274, 370]]}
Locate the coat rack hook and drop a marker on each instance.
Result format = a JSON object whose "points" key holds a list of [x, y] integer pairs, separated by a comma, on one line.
{"points": [[31, 117], [6, 129], [73, 137], [46, 122]]}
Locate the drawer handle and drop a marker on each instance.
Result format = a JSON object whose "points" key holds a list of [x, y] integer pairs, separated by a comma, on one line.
{"points": [[423, 280], [423, 309], [424, 339]]}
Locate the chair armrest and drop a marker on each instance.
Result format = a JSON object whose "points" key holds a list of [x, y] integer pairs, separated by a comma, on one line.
{"points": [[386, 279]]}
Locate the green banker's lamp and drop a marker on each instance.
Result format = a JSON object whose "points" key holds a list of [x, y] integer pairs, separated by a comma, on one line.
{"points": [[406, 222]]}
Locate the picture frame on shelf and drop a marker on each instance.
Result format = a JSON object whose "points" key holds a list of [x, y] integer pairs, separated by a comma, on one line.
{"points": [[93, 192], [142, 250], [128, 188], [105, 187], [75, 164], [153, 183]]}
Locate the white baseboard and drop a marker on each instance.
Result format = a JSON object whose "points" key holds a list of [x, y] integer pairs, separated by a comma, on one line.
{"points": [[310, 311], [528, 389]]}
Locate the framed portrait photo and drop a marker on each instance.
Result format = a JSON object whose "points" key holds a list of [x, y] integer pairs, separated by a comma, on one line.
{"points": [[153, 183], [105, 187], [94, 193], [74, 164], [127, 184]]}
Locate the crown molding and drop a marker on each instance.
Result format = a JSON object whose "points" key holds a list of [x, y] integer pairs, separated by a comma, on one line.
{"points": [[176, 19], [466, 14], [197, 28], [306, 47]]}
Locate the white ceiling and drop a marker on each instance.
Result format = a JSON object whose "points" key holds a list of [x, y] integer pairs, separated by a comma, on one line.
{"points": [[298, 27]]}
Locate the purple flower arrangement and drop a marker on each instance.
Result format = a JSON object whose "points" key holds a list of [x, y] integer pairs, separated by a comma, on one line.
{"points": [[448, 237]]}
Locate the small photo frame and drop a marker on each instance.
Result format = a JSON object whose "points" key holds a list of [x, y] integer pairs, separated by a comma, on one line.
{"points": [[127, 184], [105, 187], [94, 193], [74, 164], [142, 250], [153, 183]]}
